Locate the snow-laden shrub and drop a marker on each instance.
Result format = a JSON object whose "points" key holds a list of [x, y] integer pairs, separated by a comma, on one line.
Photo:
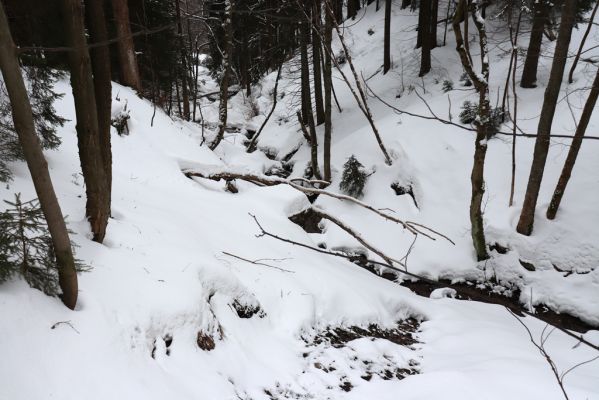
{"points": [[469, 114], [26, 248], [447, 86], [354, 178]]}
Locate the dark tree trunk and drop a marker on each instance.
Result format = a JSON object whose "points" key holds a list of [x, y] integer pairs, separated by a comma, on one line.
{"points": [[328, 88], [184, 68], [424, 33], [316, 71], [387, 43], [531, 63], [128, 60], [482, 124], [100, 57], [307, 116], [405, 4], [88, 132], [32, 151], [224, 82], [433, 26], [585, 117], [526, 222]]}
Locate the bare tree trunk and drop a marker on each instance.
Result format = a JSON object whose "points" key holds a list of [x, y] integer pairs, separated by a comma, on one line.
{"points": [[574, 149], [425, 36], [387, 44], [100, 57], [481, 84], [128, 61], [32, 151], [582, 42], [526, 222], [433, 27], [514, 42], [184, 67], [531, 63], [88, 133], [328, 89], [224, 82], [316, 71]]}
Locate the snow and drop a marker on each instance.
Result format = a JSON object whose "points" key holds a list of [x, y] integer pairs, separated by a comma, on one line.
{"points": [[161, 273]]}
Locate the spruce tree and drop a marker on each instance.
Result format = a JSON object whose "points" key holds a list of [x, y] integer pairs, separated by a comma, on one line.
{"points": [[26, 248], [354, 178], [40, 83]]}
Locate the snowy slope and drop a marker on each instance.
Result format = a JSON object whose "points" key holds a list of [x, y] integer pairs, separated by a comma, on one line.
{"points": [[161, 281]]}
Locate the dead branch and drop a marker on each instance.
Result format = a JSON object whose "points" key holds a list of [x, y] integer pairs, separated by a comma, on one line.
{"points": [[361, 260], [356, 236], [65, 323], [258, 262], [412, 227], [252, 145]]}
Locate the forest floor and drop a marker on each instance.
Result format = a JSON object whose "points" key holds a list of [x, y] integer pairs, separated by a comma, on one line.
{"points": [[186, 300]]}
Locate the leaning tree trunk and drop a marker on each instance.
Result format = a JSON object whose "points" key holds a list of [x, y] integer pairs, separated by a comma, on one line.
{"points": [[128, 62], [574, 148], [531, 63], [387, 42], [88, 132], [481, 83], [226, 72], [526, 222], [100, 57], [32, 151], [328, 89]]}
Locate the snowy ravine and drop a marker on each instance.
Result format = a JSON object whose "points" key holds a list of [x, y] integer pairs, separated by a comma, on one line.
{"points": [[166, 314]]}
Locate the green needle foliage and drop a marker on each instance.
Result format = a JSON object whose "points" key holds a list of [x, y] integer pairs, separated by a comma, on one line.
{"points": [[26, 247], [354, 178]]}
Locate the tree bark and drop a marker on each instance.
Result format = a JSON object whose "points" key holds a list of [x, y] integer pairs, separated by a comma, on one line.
{"points": [[526, 222], [100, 57], [328, 89], [531, 63], [88, 133], [128, 61], [585, 117], [38, 167], [224, 82], [387, 43], [433, 26], [184, 67], [316, 71], [424, 32], [481, 83]]}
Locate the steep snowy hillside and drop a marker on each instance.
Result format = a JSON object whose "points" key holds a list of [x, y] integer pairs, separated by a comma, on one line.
{"points": [[185, 299]]}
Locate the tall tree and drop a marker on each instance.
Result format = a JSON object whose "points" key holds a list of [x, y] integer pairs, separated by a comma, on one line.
{"points": [[585, 117], [328, 89], [527, 216], [316, 69], [424, 33], [387, 40], [88, 132], [127, 57], [32, 151], [226, 72], [184, 70], [483, 120], [100, 57], [531, 63]]}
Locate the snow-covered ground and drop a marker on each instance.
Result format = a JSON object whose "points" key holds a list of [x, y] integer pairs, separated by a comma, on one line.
{"points": [[161, 282]]}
